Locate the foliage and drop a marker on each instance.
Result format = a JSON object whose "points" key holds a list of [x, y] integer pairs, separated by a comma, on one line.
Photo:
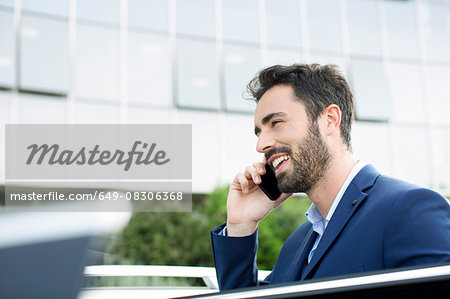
{"points": [[183, 238], [277, 227]]}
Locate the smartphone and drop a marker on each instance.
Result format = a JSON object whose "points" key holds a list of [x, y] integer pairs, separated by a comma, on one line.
{"points": [[269, 184]]}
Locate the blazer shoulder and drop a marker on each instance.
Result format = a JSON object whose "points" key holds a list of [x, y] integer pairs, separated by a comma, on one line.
{"points": [[399, 189], [398, 199], [391, 196], [369, 180]]}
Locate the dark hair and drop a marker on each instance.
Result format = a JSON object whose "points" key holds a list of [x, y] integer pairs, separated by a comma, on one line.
{"points": [[315, 86]]}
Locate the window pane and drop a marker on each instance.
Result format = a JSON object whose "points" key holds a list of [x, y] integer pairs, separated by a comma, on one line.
{"points": [[364, 36], [5, 113], [241, 65], [336, 60], [435, 1], [324, 27], [93, 113], [5, 110], [7, 52], [409, 145], [44, 55], [240, 146], [107, 11], [436, 20], [60, 7], [439, 91], [148, 77], [370, 143], [205, 163], [196, 17], [144, 115], [9, 3], [283, 23], [148, 14], [97, 63], [441, 158], [406, 90], [240, 20], [283, 57], [370, 88], [34, 109], [198, 84], [401, 29]]}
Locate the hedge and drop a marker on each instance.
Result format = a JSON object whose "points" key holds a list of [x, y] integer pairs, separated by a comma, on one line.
{"points": [[183, 238]]}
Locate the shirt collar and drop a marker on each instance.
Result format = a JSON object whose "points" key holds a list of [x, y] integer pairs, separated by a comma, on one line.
{"points": [[313, 215]]}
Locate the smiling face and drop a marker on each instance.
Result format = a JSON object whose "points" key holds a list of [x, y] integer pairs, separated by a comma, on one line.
{"points": [[292, 145]]}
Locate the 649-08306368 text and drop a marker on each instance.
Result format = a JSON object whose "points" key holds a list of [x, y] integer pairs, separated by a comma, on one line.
{"points": [[98, 195]]}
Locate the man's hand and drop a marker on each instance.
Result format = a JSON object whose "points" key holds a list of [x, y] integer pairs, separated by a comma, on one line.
{"points": [[247, 204]]}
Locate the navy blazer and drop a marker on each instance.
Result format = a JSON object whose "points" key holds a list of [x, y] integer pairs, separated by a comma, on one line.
{"points": [[380, 223]]}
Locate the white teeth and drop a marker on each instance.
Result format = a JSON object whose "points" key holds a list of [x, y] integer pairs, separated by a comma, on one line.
{"points": [[278, 160]]}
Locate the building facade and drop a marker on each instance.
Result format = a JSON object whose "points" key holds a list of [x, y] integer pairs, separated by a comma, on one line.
{"points": [[188, 61]]}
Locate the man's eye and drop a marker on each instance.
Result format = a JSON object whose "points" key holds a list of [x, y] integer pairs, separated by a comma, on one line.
{"points": [[275, 122]]}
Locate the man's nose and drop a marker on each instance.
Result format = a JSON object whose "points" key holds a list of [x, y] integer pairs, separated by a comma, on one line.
{"points": [[265, 142]]}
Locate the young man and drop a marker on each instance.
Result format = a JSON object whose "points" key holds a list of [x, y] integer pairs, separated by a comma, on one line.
{"points": [[359, 220]]}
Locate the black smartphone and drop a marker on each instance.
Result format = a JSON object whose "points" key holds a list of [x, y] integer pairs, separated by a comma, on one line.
{"points": [[269, 184]]}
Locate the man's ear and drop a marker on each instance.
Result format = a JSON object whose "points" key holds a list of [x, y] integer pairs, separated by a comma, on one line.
{"points": [[332, 115]]}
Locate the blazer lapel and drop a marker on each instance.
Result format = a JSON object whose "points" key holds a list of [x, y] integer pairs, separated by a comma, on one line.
{"points": [[352, 198], [301, 256]]}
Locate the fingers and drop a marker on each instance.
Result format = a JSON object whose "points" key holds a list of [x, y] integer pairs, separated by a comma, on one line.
{"points": [[243, 182], [260, 166], [252, 173], [250, 177], [255, 172]]}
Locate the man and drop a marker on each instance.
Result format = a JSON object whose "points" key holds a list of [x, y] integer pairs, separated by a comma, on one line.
{"points": [[359, 220]]}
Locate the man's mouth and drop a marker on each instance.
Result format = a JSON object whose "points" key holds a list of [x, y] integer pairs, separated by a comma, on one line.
{"points": [[276, 162]]}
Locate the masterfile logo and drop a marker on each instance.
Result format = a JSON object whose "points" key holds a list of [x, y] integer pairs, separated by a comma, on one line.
{"points": [[52, 155], [162, 152], [52, 166]]}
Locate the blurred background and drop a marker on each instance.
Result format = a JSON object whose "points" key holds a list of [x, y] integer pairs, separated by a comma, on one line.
{"points": [[188, 62]]}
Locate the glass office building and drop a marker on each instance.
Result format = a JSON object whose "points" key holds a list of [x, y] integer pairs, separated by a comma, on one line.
{"points": [[188, 61]]}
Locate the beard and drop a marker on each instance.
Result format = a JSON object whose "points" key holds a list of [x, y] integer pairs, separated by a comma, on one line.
{"points": [[310, 161]]}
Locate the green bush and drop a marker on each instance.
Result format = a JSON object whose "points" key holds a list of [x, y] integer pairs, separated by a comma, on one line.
{"points": [[183, 238]]}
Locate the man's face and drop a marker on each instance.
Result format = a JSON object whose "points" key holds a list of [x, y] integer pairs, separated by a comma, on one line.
{"points": [[292, 145]]}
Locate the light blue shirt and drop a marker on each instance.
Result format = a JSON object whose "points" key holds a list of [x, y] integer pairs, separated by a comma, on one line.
{"points": [[313, 215]]}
